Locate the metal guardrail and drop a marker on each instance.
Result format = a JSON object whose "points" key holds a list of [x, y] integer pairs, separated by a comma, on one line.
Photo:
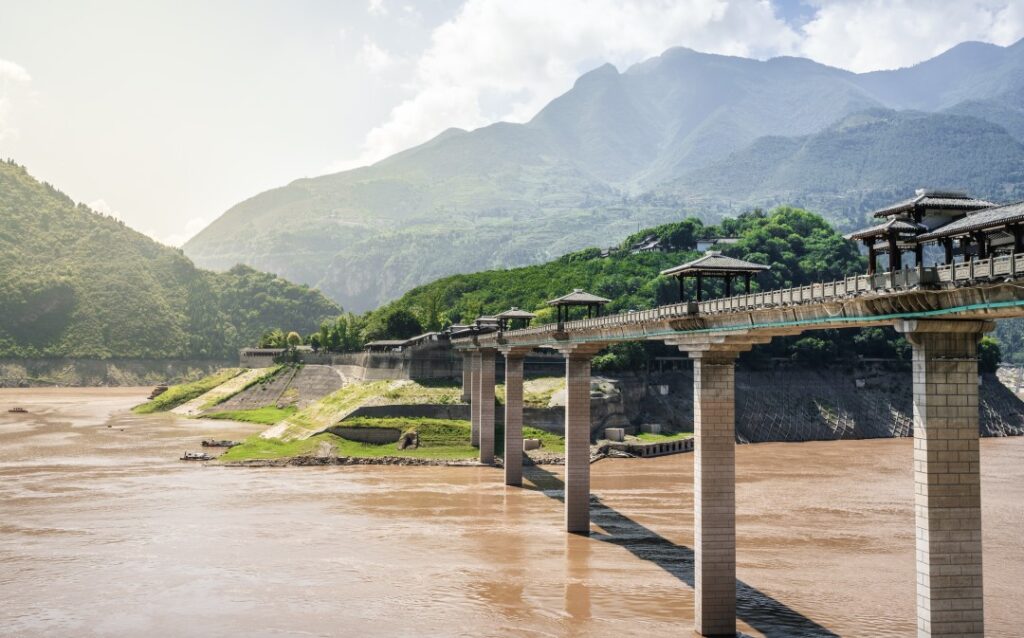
{"points": [[906, 279]]}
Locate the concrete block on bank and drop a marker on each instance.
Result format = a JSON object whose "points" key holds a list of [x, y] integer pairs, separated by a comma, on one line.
{"points": [[615, 434], [652, 428], [531, 444]]}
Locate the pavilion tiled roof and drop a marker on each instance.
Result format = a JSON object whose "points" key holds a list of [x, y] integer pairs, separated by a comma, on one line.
{"points": [[895, 224], [578, 298], [515, 313], [937, 199], [715, 262], [989, 218]]}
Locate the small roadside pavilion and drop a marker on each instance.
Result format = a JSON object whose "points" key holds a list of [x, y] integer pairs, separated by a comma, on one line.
{"points": [[577, 298], [514, 318], [715, 265]]}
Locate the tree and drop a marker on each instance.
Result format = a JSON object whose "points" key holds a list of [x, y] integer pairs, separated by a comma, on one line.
{"points": [[402, 324], [272, 339], [293, 339], [989, 355]]}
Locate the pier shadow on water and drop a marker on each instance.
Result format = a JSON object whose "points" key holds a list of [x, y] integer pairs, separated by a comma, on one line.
{"points": [[770, 616]]}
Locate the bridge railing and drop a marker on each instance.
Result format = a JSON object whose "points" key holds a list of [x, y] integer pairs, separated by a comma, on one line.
{"points": [[999, 266], [906, 279]]}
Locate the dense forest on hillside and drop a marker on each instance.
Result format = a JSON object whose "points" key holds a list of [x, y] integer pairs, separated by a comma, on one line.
{"points": [[79, 284], [800, 247]]}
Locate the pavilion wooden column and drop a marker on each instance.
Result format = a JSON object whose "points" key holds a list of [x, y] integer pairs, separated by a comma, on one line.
{"points": [[485, 398], [872, 258], [979, 237], [947, 476], [474, 404], [947, 245], [513, 417], [714, 493], [895, 257]]}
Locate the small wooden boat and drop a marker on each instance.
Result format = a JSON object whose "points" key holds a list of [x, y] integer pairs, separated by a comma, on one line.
{"points": [[196, 456], [222, 443], [18, 410]]}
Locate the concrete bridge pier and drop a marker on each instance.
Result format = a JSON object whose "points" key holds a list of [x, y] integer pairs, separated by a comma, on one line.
{"points": [[714, 479], [947, 478], [714, 493], [475, 364], [467, 377], [483, 404], [514, 415], [577, 435]]}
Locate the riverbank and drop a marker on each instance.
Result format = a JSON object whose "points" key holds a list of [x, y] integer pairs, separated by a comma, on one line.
{"points": [[104, 532]]}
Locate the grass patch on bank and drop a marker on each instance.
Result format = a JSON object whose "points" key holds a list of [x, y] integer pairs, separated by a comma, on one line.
{"points": [[267, 415], [537, 392], [647, 437], [255, 447], [441, 439], [185, 392], [432, 391]]}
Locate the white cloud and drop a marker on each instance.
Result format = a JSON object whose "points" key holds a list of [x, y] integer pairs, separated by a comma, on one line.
{"points": [[13, 79], [177, 238], [498, 60], [867, 35], [101, 206], [188, 231], [15, 72], [376, 8], [375, 58]]}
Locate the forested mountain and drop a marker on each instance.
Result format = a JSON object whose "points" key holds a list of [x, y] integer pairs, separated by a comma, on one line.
{"points": [[638, 148], [74, 283], [862, 162]]}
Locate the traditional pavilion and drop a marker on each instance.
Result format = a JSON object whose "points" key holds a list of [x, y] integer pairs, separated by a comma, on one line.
{"points": [[487, 323], [907, 220], [715, 264], [515, 318], [983, 233], [577, 297]]}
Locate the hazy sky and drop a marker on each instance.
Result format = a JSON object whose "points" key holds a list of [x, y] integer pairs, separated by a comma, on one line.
{"points": [[167, 113]]}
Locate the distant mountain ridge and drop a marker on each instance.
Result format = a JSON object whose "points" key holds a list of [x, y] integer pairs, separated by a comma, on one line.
{"points": [[682, 133]]}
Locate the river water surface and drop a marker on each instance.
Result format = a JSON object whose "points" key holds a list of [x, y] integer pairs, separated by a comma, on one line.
{"points": [[104, 533]]}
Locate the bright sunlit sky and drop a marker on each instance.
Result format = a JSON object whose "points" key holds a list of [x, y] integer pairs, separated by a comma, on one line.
{"points": [[167, 113]]}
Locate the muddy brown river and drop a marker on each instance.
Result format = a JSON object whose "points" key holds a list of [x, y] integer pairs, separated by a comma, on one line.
{"points": [[104, 533]]}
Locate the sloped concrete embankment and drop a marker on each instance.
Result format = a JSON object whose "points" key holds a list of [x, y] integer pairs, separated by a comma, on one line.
{"points": [[229, 388], [292, 386]]}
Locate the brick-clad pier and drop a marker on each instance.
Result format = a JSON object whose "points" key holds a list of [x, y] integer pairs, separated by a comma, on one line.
{"points": [[714, 493], [947, 479]]}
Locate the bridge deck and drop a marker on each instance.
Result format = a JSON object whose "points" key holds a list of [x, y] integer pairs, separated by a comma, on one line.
{"points": [[980, 289]]}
